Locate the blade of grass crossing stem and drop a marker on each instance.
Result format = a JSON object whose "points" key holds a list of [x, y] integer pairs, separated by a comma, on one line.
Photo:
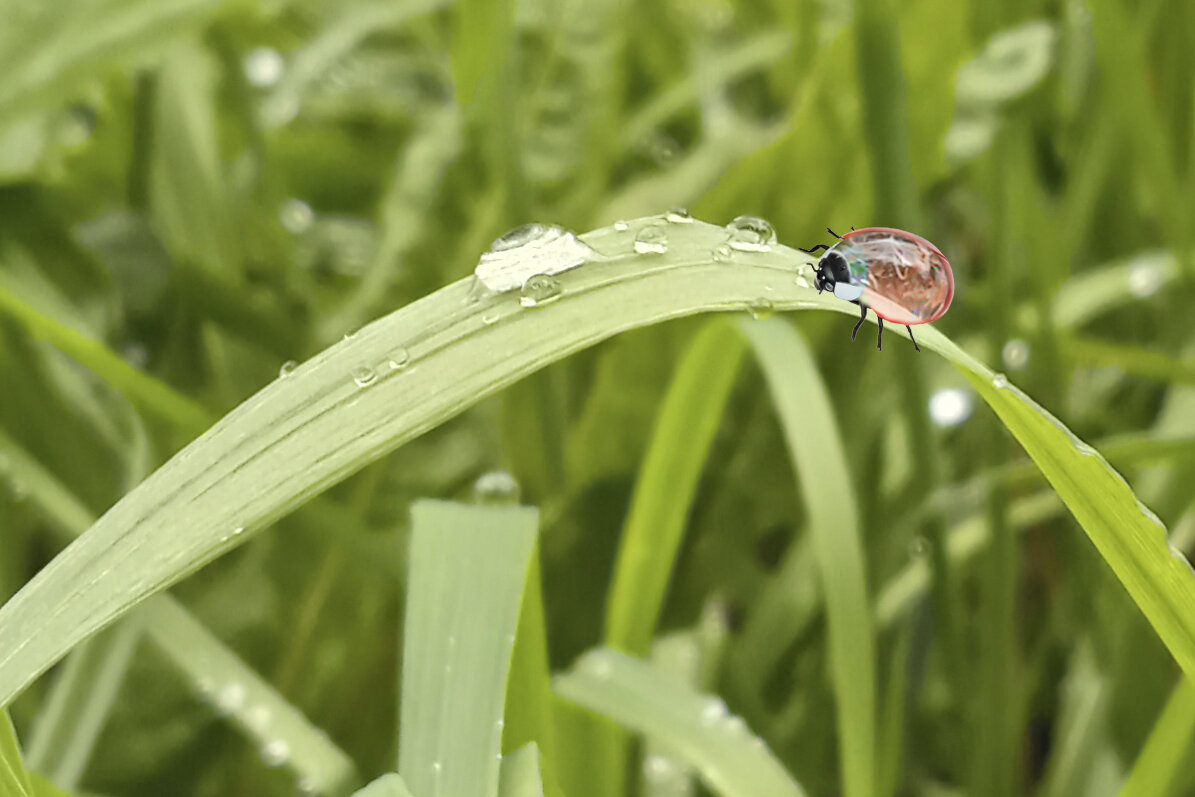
{"points": [[14, 780], [520, 774], [77, 706], [667, 484], [731, 760], [219, 675], [468, 565], [811, 433], [1167, 748], [388, 785]]}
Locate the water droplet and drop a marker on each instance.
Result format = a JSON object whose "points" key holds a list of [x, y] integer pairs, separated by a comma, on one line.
{"points": [[540, 290], [1015, 354], [519, 236], [350, 334], [1145, 278], [919, 547], [287, 369], [258, 718], [751, 234], [275, 753], [679, 216], [723, 253], [761, 309], [263, 67], [802, 282], [713, 710], [399, 358], [950, 406], [651, 240], [735, 725], [621, 226], [306, 785], [205, 687], [1000, 381], [496, 487], [230, 699], [489, 317], [663, 149], [657, 768], [437, 767], [364, 376], [296, 216]]}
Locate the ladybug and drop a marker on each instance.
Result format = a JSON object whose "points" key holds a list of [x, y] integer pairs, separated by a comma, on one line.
{"points": [[902, 277]]}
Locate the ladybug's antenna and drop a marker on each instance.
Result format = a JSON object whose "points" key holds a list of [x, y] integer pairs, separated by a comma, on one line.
{"points": [[814, 249], [836, 235]]}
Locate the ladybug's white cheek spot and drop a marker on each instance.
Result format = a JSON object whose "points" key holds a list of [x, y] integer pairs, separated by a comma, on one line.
{"points": [[847, 291]]}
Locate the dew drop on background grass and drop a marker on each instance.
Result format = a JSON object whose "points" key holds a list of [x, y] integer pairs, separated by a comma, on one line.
{"points": [[258, 718], [652, 240], [275, 753], [761, 309], [349, 335], [919, 547], [751, 234], [264, 67], [679, 216], [1015, 355], [657, 768], [496, 487], [950, 406], [539, 290], [230, 699], [287, 369], [296, 216], [1145, 278], [364, 376], [399, 358], [621, 226], [723, 253], [714, 711]]}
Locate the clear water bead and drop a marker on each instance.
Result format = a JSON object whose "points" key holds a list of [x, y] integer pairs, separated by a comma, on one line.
{"points": [[1145, 278], [519, 236], [275, 753], [714, 710], [296, 216], [496, 487], [651, 240], [540, 290], [264, 67], [679, 216], [621, 226], [761, 309], [287, 369], [364, 376], [1015, 354], [723, 253], [399, 358], [230, 699], [751, 234]]}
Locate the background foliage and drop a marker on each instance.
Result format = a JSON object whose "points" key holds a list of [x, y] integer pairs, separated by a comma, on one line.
{"points": [[194, 192]]}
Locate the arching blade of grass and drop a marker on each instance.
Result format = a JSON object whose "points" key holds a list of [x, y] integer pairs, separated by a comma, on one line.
{"points": [[718, 745], [815, 446], [468, 565], [347, 406], [520, 774], [1167, 748], [14, 780], [255, 706], [389, 785]]}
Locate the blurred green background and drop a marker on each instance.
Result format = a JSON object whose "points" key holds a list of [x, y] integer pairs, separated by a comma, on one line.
{"points": [[208, 190]]}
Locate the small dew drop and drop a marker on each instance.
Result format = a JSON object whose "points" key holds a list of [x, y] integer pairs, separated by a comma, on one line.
{"points": [[350, 334], [296, 216], [1000, 381], [275, 753], [663, 149], [287, 369], [364, 376], [258, 718], [540, 290], [399, 358], [723, 253], [751, 234], [263, 67], [519, 236], [1145, 278], [950, 406], [306, 785], [735, 725], [919, 547], [230, 699], [679, 216], [651, 240], [621, 226], [437, 767], [714, 710], [761, 309], [802, 282], [1015, 354], [489, 317], [496, 487], [657, 768]]}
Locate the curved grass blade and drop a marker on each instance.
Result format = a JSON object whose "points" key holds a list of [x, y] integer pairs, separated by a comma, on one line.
{"points": [[520, 774], [698, 729], [468, 566], [815, 445], [1168, 747], [14, 780], [388, 785]]}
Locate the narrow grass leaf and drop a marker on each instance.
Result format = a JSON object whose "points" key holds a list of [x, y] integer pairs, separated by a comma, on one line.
{"points": [[389, 785], [468, 565], [731, 760], [14, 780], [519, 775], [667, 483], [815, 445], [1168, 747]]}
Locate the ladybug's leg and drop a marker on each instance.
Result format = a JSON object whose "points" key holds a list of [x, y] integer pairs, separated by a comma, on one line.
{"points": [[915, 346], [880, 335], [814, 249], [862, 318]]}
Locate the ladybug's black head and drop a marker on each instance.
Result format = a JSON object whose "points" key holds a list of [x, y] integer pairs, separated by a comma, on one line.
{"points": [[831, 269]]}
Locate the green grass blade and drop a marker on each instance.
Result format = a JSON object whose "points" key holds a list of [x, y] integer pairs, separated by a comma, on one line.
{"points": [[815, 445], [731, 760], [77, 706], [520, 774], [388, 785], [667, 485], [14, 780], [468, 565], [1168, 747]]}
